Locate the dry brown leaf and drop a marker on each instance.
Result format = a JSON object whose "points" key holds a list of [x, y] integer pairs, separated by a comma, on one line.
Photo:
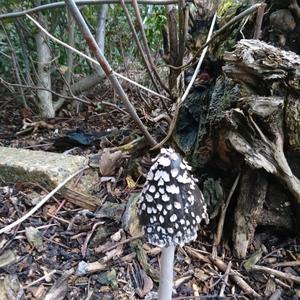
{"points": [[110, 161], [147, 285]]}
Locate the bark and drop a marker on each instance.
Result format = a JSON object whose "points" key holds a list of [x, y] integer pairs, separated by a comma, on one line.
{"points": [[249, 205], [101, 26], [173, 47], [44, 72], [270, 70], [93, 79], [263, 67], [68, 75]]}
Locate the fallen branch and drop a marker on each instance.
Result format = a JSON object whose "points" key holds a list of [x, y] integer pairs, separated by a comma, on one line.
{"points": [[276, 273], [223, 267]]}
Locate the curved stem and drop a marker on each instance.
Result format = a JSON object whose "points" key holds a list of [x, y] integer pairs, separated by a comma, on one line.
{"points": [[166, 273]]}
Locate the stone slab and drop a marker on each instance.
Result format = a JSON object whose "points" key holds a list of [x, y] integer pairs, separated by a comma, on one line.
{"points": [[22, 165]]}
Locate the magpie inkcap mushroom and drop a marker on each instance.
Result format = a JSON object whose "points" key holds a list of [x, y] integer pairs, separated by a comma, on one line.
{"points": [[171, 205]]}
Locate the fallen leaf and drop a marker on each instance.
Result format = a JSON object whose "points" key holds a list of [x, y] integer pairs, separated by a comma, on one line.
{"points": [[109, 161], [10, 288], [7, 258], [34, 237], [109, 278], [147, 285], [130, 182]]}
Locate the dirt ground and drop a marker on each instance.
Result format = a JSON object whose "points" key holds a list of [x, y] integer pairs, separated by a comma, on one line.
{"points": [[66, 252]]}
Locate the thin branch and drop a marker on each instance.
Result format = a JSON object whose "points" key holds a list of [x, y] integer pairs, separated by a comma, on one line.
{"points": [[47, 275], [41, 203], [138, 43], [15, 65], [220, 226], [135, 36], [279, 274], [140, 23], [225, 280], [200, 61], [7, 84], [180, 101], [108, 70], [128, 240], [235, 19], [92, 60], [79, 3]]}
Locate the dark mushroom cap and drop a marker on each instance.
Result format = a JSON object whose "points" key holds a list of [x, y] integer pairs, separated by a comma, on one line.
{"points": [[171, 206]]}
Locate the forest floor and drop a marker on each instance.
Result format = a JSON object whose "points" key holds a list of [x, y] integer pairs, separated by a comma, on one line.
{"points": [[66, 252]]}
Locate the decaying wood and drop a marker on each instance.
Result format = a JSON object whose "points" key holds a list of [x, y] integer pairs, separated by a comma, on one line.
{"points": [[82, 200], [249, 206], [262, 145], [276, 273], [258, 122], [261, 65], [260, 126], [250, 115]]}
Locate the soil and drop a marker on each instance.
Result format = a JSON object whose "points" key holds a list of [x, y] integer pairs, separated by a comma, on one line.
{"points": [[66, 252]]}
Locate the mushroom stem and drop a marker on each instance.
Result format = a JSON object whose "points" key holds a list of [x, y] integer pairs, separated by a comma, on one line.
{"points": [[166, 273]]}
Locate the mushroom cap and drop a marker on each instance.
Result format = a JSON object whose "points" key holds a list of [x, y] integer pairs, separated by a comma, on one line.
{"points": [[171, 205]]}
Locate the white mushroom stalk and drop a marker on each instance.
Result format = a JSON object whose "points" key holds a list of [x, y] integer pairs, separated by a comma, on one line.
{"points": [[171, 208]]}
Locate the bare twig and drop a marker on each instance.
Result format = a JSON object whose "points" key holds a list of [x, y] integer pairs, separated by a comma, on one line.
{"points": [[15, 65], [258, 23], [225, 280], [135, 36], [79, 3], [223, 211], [235, 277], [107, 69], [138, 43], [223, 267], [109, 248], [93, 60], [294, 263], [40, 279], [235, 19], [88, 237], [41, 203], [276, 273], [43, 88], [180, 101], [147, 50]]}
